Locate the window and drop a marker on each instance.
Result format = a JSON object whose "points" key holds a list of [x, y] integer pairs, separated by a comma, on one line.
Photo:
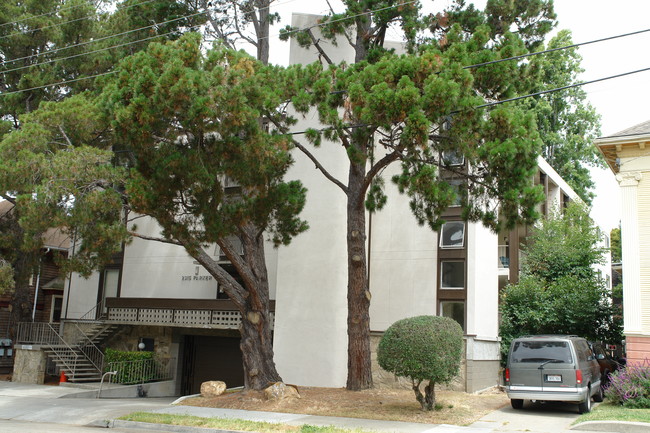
{"points": [[452, 274], [454, 310], [452, 235], [111, 281], [452, 158], [456, 185]]}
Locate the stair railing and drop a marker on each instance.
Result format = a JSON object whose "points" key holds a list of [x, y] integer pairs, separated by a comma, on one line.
{"points": [[45, 335], [92, 313], [89, 349]]}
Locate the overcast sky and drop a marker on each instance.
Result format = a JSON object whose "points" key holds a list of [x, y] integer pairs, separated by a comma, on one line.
{"points": [[622, 102]]}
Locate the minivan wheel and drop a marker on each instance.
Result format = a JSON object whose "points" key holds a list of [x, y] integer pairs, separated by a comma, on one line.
{"points": [[585, 406], [598, 397], [517, 403]]}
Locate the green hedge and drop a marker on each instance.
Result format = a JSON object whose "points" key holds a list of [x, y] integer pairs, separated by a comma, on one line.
{"points": [[129, 370]]}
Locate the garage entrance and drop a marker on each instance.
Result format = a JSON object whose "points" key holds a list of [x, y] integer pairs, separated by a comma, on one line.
{"points": [[211, 358]]}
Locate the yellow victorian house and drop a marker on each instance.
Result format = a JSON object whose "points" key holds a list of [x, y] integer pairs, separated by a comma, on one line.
{"points": [[628, 155]]}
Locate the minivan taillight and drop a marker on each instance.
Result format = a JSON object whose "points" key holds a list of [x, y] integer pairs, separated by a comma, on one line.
{"points": [[507, 375], [578, 377]]}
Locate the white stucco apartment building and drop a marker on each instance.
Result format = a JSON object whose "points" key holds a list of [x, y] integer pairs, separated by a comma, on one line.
{"points": [[171, 303]]}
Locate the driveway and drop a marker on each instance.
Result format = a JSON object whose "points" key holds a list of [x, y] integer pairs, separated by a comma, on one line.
{"points": [[551, 417], [49, 404]]}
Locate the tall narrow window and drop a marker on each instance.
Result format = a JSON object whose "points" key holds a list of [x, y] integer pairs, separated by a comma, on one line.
{"points": [[454, 310], [452, 274]]}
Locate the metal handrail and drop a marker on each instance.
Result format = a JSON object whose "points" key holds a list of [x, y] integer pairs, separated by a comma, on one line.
{"points": [[90, 350], [92, 313], [44, 334], [142, 370]]}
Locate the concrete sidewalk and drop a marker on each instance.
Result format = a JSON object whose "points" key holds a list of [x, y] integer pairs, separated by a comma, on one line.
{"points": [[300, 419], [502, 420]]}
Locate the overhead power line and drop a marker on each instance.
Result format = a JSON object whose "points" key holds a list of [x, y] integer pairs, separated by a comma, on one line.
{"points": [[159, 24], [343, 91], [80, 44], [495, 103], [44, 15], [66, 22]]}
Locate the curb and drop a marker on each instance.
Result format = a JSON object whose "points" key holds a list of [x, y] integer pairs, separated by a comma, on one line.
{"points": [[613, 426], [164, 427]]}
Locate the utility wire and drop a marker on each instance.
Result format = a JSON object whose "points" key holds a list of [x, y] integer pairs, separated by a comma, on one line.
{"points": [[166, 22], [492, 104], [45, 14], [523, 56], [345, 18], [43, 53], [69, 21], [557, 89], [107, 48]]}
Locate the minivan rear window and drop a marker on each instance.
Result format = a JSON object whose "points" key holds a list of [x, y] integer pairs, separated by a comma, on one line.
{"points": [[541, 351]]}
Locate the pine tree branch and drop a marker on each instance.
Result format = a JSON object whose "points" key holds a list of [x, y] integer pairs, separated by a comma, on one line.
{"points": [[320, 167], [378, 166], [153, 238], [316, 43]]}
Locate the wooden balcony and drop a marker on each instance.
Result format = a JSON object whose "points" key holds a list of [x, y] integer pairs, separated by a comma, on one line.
{"points": [[191, 313]]}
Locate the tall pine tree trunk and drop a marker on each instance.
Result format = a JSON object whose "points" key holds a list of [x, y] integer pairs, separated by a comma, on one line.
{"points": [[253, 302], [256, 336], [359, 362]]}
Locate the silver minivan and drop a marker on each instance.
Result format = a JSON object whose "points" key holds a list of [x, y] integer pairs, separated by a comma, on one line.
{"points": [[552, 368]]}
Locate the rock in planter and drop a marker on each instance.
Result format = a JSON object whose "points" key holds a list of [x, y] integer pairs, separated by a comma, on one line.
{"points": [[212, 388], [281, 391]]}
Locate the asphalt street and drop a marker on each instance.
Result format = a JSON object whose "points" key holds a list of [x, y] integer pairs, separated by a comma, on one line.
{"points": [[42, 409]]}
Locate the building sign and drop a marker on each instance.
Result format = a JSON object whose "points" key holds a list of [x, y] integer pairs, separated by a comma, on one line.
{"points": [[196, 276]]}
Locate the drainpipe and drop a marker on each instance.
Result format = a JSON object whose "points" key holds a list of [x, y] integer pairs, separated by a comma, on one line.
{"points": [[67, 298], [38, 283]]}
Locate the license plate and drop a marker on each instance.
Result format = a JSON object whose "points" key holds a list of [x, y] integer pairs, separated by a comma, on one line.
{"points": [[554, 378]]}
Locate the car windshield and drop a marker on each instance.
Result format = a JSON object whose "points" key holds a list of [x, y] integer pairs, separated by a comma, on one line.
{"points": [[541, 351]]}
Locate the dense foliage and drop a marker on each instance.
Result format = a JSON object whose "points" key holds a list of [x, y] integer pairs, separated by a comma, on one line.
{"points": [[559, 291], [416, 110], [423, 348], [566, 121], [630, 386], [131, 367]]}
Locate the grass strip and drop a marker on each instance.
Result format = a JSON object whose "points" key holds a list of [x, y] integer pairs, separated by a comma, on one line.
{"points": [[611, 412], [232, 424]]}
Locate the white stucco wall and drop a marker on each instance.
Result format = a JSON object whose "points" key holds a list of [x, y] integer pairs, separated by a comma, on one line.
{"points": [[80, 296], [310, 338], [403, 262], [482, 282]]}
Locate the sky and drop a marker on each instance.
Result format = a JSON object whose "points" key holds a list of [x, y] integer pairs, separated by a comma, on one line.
{"points": [[621, 102]]}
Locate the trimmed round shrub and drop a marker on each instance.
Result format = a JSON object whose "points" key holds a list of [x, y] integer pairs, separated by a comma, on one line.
{"points": [[422, 348]]}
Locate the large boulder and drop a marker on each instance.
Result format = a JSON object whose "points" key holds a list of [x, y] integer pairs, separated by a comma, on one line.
{"points": [[212, 388], [281, 391]]}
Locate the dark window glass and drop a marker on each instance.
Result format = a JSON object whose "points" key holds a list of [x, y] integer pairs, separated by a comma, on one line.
{"points": [[454, 310], [452, 158], [452, 275], [541, 351]]}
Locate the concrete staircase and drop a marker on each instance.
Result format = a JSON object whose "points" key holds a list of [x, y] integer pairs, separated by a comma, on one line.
{"points": [[80, 358], [73, 362]]}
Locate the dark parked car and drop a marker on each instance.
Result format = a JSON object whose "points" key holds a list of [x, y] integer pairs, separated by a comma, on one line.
{"points": [[607, 364]]}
